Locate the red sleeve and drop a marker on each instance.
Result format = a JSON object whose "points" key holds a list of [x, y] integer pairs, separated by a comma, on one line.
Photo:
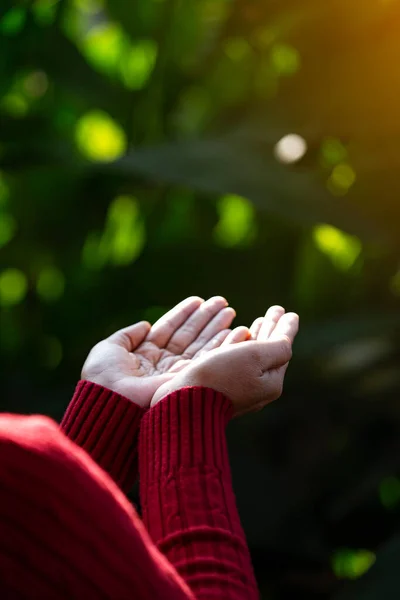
{"points": [[66, 530], [106, 425], [188, 503]]}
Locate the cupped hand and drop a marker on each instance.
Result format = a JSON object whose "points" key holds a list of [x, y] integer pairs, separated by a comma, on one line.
{"points": [[249, 373], [136, 360]]}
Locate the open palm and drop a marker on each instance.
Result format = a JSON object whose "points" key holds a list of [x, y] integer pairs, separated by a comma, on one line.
{"points": [[136, 360]]}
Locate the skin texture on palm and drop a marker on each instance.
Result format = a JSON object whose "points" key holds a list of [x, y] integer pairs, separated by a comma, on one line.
{"points": [[136, 360]]}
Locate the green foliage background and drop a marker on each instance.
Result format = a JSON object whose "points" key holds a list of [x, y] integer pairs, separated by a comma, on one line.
{"points": [[139, 164]]}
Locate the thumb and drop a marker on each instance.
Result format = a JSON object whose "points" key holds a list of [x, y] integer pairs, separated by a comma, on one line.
{"points": [[130, 337], [274, 354]]}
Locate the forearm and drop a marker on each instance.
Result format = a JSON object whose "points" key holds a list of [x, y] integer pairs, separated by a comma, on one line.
{"points": [[106, 425], [188, 503]]}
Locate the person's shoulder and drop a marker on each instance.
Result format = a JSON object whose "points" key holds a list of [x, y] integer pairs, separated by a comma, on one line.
{"points": [[24, 437], [26, 430]]}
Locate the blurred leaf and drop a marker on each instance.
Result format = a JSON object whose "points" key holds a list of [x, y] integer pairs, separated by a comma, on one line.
{"points": [[229, 167]]}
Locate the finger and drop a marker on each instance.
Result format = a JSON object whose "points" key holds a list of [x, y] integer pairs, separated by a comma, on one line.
{"points": [[287, 326], [165, 327], [194, 325], [271, 354], [237, 335], [221, 322], [215, 342], [272, 316], [255, 328], [130, 337]]}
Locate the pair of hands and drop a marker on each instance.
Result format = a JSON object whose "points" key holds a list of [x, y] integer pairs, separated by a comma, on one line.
{"points": [[192, 345]]}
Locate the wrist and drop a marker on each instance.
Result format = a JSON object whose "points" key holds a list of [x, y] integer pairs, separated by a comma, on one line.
{"points": [[186, 380], [187, 418]]}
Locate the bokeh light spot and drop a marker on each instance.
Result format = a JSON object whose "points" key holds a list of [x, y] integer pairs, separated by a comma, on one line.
{"points": [[13, 21], [236, 224], [290, 149], [123, 238], [352, 564], [8, 227], [89, 7], [237, 49], [50, 284], [92, 253], [285, 59], [99, 137], [103, 46], [36, 84], [138, 63], [395, 284], [4, 190], [389, 492], [342, 249], [342, 179], [264, 37], [125, 231], [15, 104], [45, 11], [13, 287], [333, 152]]}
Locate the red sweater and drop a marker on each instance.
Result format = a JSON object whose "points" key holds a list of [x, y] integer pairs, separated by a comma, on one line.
{"points": [[68, 531]]}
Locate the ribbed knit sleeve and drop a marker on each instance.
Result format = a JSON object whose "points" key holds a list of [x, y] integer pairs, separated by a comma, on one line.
{"points": [[186, 493], [106, 425]]}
